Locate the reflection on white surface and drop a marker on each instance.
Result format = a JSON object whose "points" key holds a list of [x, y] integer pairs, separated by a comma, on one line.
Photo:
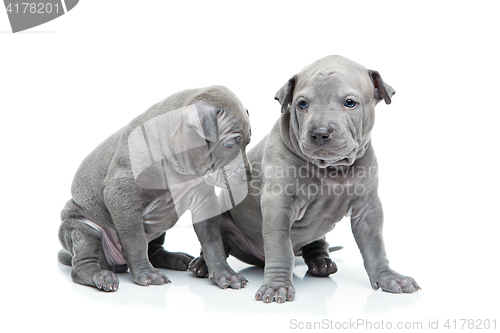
{"points": [[47, 296], [316, 296]]}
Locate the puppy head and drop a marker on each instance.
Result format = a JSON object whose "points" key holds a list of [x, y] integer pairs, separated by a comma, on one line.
{"points": [[219, 119], [332, 105]]}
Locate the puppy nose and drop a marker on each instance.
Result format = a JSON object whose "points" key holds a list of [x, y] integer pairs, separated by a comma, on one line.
{"points": [[320, 135]]}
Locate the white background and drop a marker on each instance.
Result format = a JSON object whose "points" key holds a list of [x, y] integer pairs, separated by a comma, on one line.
{"points": [[67, 85]]}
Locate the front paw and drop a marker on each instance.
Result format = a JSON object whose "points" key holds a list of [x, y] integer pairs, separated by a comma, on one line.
{"points": [[149, 276], [228, 278], [223, 277], [392, 282], [278, 292]]}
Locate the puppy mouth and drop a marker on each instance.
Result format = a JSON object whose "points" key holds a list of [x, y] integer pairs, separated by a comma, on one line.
{"points": [[319, 158]]}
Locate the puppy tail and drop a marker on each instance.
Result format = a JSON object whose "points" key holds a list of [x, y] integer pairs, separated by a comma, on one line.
{"points": [[330, 250], [334, 248], [64, 257]]}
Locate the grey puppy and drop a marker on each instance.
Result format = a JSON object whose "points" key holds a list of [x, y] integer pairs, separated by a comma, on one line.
{"points": [[137, 183], [315, 167]]}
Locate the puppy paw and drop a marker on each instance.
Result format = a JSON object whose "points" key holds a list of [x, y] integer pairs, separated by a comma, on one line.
{"points": [[392, 282], [228, 278], [321, 266], [198, 267], [171, 260], [278, 292], [223, 277], [106, 280], [149, 276]]}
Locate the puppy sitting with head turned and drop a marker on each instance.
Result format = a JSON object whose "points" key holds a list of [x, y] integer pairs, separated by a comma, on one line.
{"points": [[137, 183]]}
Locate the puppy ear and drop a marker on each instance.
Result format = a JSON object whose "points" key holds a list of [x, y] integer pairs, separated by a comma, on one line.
{"points": [[285, 94], [382, 89], [203, 119]]}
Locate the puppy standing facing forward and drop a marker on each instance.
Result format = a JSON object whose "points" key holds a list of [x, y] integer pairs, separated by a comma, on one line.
{"points": [[316, 166], [138, 182]]}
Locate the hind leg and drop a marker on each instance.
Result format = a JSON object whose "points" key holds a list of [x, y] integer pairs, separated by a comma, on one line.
{"points": [[317, 258], [84, 244], [160, 258]]}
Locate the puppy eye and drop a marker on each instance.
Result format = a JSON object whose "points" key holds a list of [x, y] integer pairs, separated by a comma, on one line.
{"points": [[350, 103], [228, 145], [303, 104]]}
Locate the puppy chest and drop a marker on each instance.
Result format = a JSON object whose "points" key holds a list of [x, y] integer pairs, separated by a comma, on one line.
{"points": [[160, 214], [321, 207]]}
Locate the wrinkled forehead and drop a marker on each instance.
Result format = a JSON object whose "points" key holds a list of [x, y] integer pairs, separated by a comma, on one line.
{"points": [[326, 84], [233, 117], [232, 122]]}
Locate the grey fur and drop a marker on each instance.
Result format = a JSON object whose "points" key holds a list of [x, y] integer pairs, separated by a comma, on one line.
{"points": [[109, 199], [330, 143]]}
